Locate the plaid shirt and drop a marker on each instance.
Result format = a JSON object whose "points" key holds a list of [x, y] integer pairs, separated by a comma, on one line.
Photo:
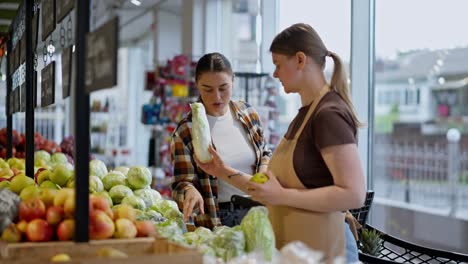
{"points": [[188, 175]]}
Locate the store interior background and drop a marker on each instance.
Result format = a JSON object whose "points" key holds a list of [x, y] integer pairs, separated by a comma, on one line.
{"points": [[408, 69]]}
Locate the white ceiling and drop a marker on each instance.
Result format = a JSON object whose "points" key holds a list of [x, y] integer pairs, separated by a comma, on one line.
{"points": [[136, 21]]}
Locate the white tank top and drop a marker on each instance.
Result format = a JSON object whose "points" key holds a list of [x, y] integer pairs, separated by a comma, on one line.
{"points": [[234, 148]]}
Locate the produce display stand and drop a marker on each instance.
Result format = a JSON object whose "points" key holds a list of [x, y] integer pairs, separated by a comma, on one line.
{"points": [[136, 248]]}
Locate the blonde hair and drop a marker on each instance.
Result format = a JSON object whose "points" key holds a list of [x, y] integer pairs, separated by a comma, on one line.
{"points": [[303, 38]]}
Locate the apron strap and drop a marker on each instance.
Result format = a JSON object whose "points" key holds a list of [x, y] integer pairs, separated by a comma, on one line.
{"points": [[325, 89]]}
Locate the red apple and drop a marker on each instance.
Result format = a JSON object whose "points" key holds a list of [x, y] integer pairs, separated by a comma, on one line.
{"points": [[145, 228], [39, 230], [32, 209], [66, 230], [54, 215], [100, 203], [100, 225]]}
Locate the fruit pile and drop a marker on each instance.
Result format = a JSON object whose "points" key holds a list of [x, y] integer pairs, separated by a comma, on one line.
{"points": [[122, 204], [19, 144], [51, 217]]}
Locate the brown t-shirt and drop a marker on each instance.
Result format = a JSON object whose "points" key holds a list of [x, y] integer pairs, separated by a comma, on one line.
{"points": [[330, 124]]}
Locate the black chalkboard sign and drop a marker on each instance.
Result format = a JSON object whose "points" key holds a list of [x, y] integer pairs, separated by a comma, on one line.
{"points": [[35, 28], [23, 97], [17, 100], [48, 85], [48, 18], [11, 57], [66, 71], [17, 55], [9, 204], [23, 49], [11, 103], [101, 56], [63, 8], [35, 89]]}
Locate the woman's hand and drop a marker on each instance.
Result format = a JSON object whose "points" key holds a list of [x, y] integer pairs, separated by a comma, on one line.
{"points": [[215, 167], [192, 199], [269, 193]]}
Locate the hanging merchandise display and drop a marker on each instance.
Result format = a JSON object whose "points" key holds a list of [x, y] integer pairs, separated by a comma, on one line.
{"points": [[173, 89], [261, 91]]}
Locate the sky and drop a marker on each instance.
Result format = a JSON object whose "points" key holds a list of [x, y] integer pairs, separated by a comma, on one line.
{"points": [[400, 25]]}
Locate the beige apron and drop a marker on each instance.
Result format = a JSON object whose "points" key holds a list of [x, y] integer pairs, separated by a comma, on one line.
{"points": [[323, 232]]}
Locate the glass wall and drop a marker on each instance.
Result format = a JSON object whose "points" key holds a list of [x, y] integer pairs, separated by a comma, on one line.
{"points": [[420, 157], [332, 20]]}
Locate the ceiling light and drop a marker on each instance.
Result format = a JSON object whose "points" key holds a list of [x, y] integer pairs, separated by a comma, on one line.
{"points": [[136, 2], [410, 80], [441, 80]]}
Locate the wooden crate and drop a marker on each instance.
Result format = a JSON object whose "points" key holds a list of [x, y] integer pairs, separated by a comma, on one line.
{"points": [[45, 250], [79, 251], [180, 258]]}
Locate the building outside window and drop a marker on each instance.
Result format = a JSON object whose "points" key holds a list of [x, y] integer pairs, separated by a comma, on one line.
{"points": [[419, 168]]}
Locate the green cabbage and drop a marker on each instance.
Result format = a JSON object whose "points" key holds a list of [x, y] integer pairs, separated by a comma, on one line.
{"points": [[139, 177], [201, 137], [169, 228], [258, 232], [97, 168], [112, 179], [135, 202], [118, 192], [167, 208], [150, 196], [228, 243]]}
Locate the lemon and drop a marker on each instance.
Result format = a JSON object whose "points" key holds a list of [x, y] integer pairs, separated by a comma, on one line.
{"points": [[60, 258]]}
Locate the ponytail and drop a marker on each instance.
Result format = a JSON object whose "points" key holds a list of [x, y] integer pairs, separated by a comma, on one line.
{"points": [[339, 83]]}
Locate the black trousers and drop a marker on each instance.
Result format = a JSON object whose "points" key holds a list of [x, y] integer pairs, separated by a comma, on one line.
{"points": [[232, 217]]}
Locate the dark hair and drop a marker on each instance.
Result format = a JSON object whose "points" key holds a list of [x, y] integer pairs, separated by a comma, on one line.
{"points": [[302, 37], [212, 62]]}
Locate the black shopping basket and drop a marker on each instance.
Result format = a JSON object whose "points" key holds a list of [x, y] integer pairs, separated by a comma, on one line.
{"points": [[395, 250]]}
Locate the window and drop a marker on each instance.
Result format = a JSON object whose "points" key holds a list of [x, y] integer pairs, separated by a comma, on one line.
{"points": [[335, 34], [420, 178]]}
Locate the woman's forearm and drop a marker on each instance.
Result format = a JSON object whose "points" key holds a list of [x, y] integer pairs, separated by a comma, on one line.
{"points": [[235, 178], [325, 199]]}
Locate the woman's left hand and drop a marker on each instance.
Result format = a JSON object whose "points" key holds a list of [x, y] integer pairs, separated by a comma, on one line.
{"points": [[269, 193], [215, 167]]}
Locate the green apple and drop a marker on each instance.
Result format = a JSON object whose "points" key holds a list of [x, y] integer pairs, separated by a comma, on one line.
{"points": [[61, 174], [29, 192], [43, 176], [259, 178], [19, 182], [4, 184], [16, 163], [49, 184]]}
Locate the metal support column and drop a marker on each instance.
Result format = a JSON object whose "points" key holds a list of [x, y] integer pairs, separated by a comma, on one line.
{"points": [[81, 126], [28, 14], [9, 116]]}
